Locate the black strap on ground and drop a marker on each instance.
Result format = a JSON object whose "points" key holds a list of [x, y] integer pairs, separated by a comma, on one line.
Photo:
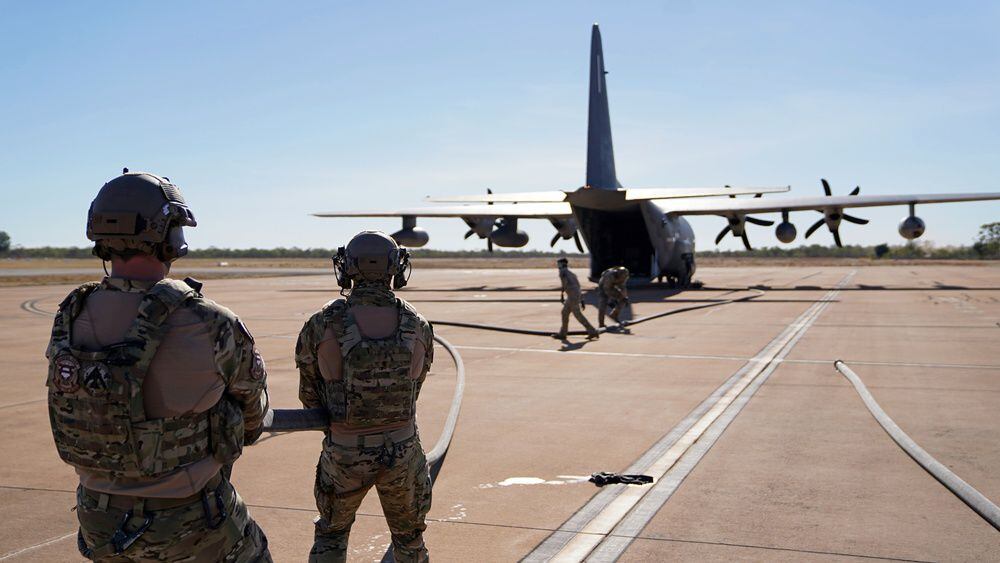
{"points": [[605, 478], [624, 324], [964, 491]]}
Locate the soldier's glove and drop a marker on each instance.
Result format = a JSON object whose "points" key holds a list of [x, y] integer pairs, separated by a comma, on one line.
{"points": [[562, 299], [583, 305]]}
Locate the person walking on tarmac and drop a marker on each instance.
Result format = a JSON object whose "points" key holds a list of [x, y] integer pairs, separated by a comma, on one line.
{"points": [[572, 301], [364, 359], [153, 390], [613, 294]]}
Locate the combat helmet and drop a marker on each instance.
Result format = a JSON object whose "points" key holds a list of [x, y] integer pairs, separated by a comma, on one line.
{"points": [[139, 213], [372, 256]]}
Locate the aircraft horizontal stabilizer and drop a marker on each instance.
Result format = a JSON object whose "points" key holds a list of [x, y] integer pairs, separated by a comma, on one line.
{"points": [[634, 194], [527, 210], [527, 197]]}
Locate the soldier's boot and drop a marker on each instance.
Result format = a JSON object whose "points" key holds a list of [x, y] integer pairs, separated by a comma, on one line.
{"points": [[409, 548], [561, 335], [593, 335], [329, 545]]}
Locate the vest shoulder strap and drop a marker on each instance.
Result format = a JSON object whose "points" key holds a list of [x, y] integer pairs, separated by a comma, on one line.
{"points": [[69, 309], [413, 327], [147, 331]]}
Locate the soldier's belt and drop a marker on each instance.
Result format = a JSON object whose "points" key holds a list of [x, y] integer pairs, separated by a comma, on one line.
{"points": [[374, 440], [126, 502]]}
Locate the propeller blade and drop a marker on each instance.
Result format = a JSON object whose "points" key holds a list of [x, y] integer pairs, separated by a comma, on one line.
{"points": [[554, 240], [722, 233], [489, 244], [469, 233], [826, 186], [746, 241], [856, 190], [761, 222], [815, 226], [576, 239], [855, 220], [836, 238]]}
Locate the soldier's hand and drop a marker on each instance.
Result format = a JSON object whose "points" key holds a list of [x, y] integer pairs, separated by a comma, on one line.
{"points": [[562, 300], [583, 305]]}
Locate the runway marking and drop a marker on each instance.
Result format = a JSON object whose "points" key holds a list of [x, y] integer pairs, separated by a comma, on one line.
{"points": [[608, 522], [731, 358], [12, 554]]}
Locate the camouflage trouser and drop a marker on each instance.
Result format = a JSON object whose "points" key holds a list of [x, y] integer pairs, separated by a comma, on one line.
{"points": [[343, 477], [616, 301], [183, 533], [572, 305]]}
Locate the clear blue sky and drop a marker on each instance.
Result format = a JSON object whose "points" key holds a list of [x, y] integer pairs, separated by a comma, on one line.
{"points": [[264, 112]]}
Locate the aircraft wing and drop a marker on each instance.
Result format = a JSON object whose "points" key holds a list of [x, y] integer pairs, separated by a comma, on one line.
{"points": [[728, 206], [543, 210]]}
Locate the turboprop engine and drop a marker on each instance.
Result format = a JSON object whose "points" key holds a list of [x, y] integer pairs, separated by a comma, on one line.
{"points": [[912, 227], [507, 235], [785, 231], [410, 235], [566, 229]]}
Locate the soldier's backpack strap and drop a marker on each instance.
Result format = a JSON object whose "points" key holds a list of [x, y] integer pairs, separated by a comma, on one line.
{"points": [[147, 332]]}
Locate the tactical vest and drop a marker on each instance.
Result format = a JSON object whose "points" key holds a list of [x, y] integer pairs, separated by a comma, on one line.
{"points": [[96, 398], [376, 387]]}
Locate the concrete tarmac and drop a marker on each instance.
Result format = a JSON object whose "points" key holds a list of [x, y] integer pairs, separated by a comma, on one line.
{"points": [[764, 451]]}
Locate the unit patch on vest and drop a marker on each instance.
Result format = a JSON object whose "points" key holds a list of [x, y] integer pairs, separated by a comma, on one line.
{"points": [[257, 370], [67, 373], [96, 379]]}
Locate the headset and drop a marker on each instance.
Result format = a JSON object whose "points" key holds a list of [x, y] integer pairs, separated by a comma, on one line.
{"points": [[346, 268]]}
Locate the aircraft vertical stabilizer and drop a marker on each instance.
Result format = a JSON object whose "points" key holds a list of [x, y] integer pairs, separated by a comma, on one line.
{"points": [[600, 153]]}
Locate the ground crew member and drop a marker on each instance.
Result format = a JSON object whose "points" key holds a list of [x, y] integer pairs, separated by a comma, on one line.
{"points": [[613, 294], [153, 391], [364, 360], [572, 301]]}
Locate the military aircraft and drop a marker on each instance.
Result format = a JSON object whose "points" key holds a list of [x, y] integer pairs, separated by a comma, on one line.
{"points": [[642, 229]]}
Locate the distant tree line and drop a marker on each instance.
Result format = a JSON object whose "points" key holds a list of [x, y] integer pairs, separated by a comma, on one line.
{"points": [[986, 246]]}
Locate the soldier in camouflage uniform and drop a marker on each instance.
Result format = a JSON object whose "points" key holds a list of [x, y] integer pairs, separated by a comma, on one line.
{"points": [[612, 293], [364, 359], [572, 301], [153, 391]]}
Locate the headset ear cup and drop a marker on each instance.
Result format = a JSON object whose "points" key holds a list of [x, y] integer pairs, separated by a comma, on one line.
{"points": [[101, 252], [339, 269]]}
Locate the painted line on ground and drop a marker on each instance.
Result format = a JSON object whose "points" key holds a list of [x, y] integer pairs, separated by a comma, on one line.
{"points": [[23, 550], [631, 526], [586, 529], [731, 358]]}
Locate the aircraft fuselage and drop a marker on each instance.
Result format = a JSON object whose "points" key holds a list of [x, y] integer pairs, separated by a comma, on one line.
{"points": [[634, 234]]}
